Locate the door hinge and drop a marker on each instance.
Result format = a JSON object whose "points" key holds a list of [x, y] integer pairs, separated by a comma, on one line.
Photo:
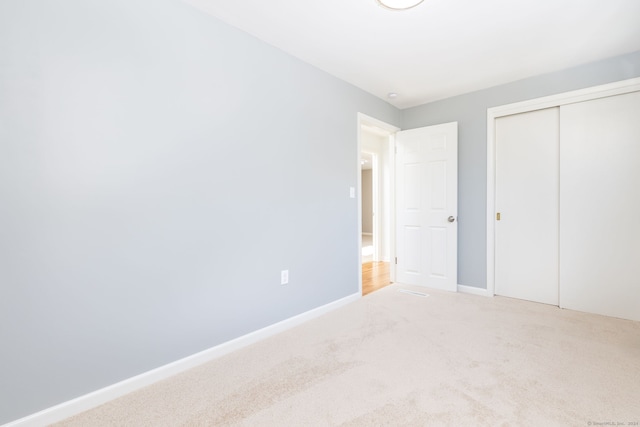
{"points": [[498, 216], [396, 260]]}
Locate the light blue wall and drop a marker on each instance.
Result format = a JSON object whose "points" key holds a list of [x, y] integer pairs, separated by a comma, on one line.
{"points": [[470, 111], [158, 169]]}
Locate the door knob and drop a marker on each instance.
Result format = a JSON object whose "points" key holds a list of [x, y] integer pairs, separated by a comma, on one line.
{"points": [[451, 219]]}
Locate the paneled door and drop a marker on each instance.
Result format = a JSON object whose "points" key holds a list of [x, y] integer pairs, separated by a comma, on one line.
{"points": [[527, 186], [600, 206], [426, 206]]}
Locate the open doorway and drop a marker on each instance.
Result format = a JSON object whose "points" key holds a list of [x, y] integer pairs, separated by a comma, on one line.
{"points": [[375, 259], [369, 198], [376, 165]]}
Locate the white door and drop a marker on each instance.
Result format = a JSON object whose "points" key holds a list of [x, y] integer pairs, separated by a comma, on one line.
{"points": [[600, 206], [527, 185], [427, 206]]}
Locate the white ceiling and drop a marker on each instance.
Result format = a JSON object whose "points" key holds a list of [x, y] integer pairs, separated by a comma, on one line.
{"points": [[441, 48]]}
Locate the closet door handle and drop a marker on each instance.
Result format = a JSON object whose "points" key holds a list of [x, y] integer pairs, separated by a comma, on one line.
{"points": [[451, 219]]}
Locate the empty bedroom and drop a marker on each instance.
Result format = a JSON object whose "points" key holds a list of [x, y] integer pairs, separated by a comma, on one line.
{"points": [[319, 213]]}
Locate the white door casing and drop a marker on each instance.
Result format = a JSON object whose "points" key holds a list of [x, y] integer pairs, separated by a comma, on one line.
{"points": [[426, 206], [386, 150], [527, 185]]}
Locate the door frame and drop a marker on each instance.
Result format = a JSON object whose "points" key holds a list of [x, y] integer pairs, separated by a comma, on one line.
{"points": [[600, 91], [365, 120]]}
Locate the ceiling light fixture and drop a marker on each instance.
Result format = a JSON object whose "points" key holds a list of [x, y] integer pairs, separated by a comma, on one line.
{"points": [[399, 4]]}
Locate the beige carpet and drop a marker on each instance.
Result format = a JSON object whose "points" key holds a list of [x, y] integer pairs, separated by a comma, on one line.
{"points": [[394, 359]]}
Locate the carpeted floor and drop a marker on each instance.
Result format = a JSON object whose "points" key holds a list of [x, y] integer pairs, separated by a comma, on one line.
{"points": [[395, 359]]}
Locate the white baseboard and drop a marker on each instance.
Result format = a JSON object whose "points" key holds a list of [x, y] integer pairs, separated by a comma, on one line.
{"points": [[473, 290], [83, 403]]}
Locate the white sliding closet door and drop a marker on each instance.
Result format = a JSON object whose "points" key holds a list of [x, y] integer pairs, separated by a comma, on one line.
{"points": [[600, 206], [526, 236]]}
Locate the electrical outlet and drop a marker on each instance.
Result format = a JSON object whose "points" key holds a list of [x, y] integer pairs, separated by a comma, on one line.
{"points": [[284, 277]]}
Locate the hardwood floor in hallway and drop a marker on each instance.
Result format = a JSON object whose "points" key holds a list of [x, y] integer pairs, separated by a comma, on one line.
{"points": [[375, 275]]}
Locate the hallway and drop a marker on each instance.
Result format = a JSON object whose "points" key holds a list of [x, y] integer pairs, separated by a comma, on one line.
{"points": [[375, 274]]}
